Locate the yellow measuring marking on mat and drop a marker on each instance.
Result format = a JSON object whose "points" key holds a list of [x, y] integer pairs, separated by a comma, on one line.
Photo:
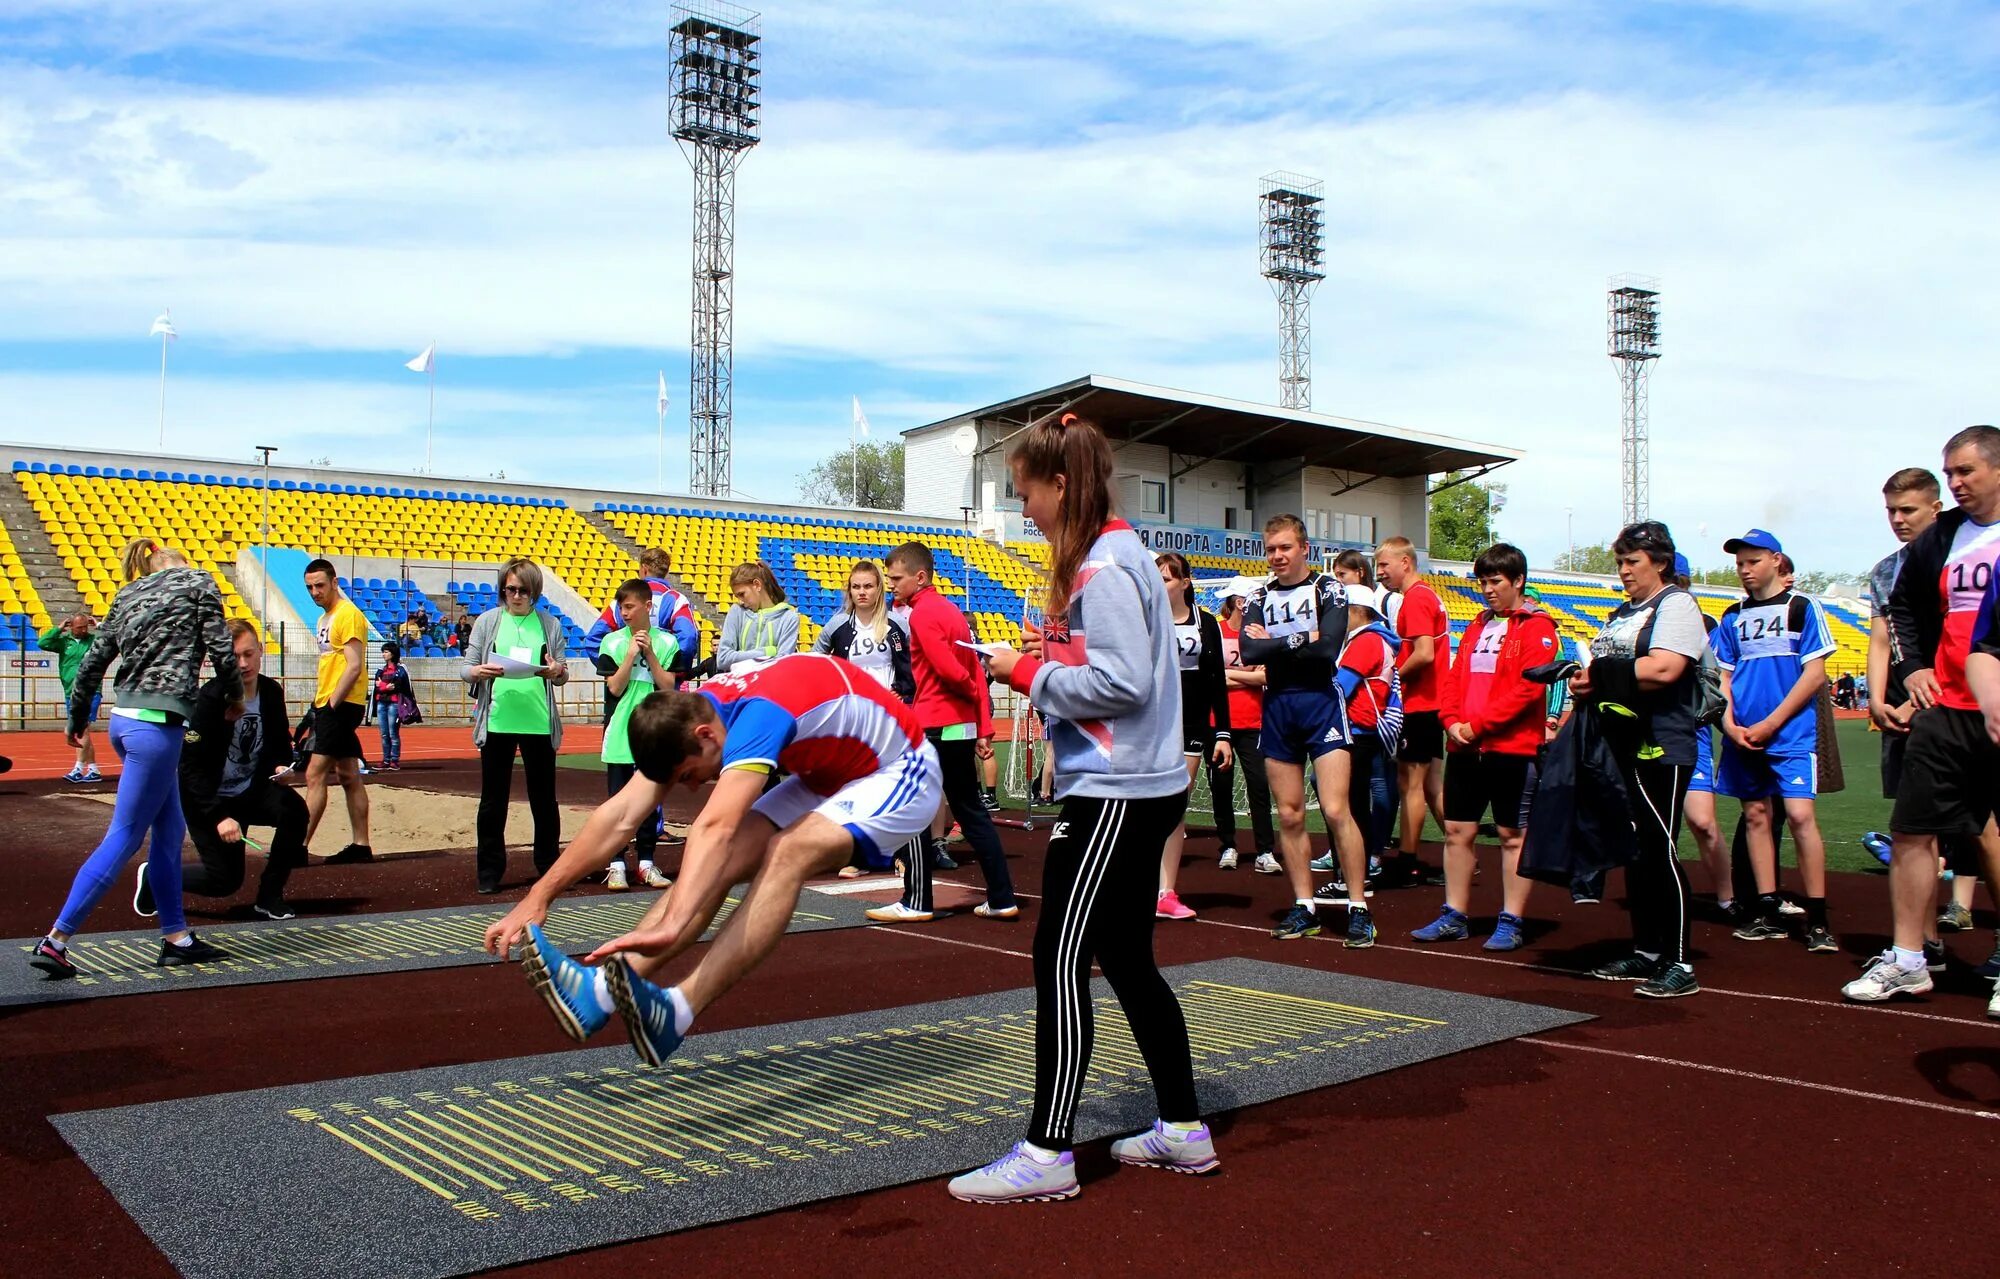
{"points": [[1351, 1010]]}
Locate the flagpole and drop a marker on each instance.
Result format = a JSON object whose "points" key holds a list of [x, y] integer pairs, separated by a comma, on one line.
{"points": [[163, 390], [430, 427], [660, 463]]}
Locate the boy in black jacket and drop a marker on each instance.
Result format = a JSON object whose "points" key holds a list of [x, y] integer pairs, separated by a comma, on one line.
{"points": [[228, 782]]}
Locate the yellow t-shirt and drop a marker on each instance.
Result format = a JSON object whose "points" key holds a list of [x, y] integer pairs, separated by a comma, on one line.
{"points": [[342, 626]]}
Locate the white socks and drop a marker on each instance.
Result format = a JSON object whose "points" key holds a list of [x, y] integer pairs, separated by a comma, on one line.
{"points": [[602, 989], [1047, 1158], [683, 1014]]}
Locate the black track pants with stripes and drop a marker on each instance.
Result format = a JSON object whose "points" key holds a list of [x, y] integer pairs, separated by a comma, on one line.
{"points": [[1100, 881], [1655, 882]]}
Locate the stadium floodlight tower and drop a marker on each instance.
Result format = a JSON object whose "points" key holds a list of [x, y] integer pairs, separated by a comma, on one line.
{"points": [[1288, 205], [714, 54], [1635, 344]]}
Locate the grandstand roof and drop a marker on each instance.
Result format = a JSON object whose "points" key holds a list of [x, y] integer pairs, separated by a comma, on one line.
{"points": [[1213, 426]]}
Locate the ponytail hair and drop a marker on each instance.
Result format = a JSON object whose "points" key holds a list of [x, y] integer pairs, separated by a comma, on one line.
{"points": [[759, 572], [880, 626], [139, 557], [1070, 447], [1182, 569]]}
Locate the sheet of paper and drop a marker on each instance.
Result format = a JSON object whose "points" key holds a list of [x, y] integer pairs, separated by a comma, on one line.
{"points": [[511, 667], [984, 650]]}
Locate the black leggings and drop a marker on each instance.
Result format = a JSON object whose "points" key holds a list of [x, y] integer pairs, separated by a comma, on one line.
{"points": [[1222, 788], [220, 873], [496, 785], [960, 765], [1099, 883], [1655, 882]]}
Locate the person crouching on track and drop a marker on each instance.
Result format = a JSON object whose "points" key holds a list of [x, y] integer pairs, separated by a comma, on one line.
{"points": [[1104, 666], [229, 783], [860, 772], [635, 660], [1493, 725], [160, 625], [1204, 710]]}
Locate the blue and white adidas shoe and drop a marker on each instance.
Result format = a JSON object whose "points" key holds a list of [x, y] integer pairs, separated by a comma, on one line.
{"points": [[648, 1012], [567, 987]]}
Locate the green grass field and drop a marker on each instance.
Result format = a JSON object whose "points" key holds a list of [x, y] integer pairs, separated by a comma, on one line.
{"points": [[1843, 818]]}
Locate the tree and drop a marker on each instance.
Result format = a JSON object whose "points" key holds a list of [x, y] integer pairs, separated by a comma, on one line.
{"points": [[1462, 517], [865, 474], [1588, 559]]}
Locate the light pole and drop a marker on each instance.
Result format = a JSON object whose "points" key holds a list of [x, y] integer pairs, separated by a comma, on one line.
{"points": [[1569, 512], [264, 551]]}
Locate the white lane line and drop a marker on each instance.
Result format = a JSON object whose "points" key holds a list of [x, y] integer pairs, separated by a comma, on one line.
{"points": [[906, 930], [1762, 1078]]}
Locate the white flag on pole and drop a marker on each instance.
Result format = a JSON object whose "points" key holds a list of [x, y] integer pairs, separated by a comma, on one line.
{"points": [[423, 363], [663, 392], [163, 327], [860, 418]]}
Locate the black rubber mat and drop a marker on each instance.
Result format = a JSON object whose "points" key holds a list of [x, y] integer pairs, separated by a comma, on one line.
{"points": [[460, 1168], [348, 946]]}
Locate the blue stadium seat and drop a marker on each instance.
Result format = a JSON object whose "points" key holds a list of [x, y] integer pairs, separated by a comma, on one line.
{"points": [[124, 472], [90, 471], [37, 468]]}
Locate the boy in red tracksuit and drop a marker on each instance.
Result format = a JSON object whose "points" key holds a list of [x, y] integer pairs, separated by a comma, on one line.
{"points": [[1494, 719], [952, 705]]}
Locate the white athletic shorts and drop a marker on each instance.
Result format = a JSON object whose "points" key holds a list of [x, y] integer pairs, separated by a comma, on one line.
{"points": [[883, 810]]}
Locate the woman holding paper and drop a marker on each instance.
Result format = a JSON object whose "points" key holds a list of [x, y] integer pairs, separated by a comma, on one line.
{"points": [[514, 662]]}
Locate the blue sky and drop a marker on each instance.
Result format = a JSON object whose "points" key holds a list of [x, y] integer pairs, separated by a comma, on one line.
{"points": [[957, 203]]}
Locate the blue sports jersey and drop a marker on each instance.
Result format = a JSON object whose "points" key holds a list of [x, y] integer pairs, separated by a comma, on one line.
{"points": [[1764, 644]]}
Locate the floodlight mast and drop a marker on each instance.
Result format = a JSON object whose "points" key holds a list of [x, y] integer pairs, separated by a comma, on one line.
{"points": [[1291, 241], [715, 64], [1634, 343]]}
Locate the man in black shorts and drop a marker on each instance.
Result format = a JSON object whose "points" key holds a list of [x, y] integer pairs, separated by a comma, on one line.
{"points": [[338, 701]]}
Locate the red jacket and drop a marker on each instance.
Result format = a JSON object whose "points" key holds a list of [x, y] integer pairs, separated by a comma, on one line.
{"points": [[951, 681], [1484, 689]]}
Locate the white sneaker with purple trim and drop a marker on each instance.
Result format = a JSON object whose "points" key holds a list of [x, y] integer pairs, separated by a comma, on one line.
{"points": [[1163, 1146], [1018, 1176]]}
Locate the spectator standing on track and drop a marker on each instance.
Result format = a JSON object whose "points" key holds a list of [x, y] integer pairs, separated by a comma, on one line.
{"points": [[339, 700], [1493, 718], [1376, 796], [1641, 683], [1104, 664], [160, 626], [760, 627], [1426, 638], [636, 661], [1294, 626], [69, 642], [1772, 646], [229, 782], [1205, 723], [395, 705], [952, 704], [870, 634], [1246, 722], [672, 613], [1372, 698], [1982, 673], [515, 663], [1948, 788]]}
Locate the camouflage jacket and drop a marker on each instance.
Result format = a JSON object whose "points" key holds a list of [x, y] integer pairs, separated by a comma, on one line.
{"points": [[160, 626]]}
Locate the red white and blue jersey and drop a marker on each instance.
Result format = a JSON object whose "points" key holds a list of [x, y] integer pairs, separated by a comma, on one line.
{"points": [[820, 718]]}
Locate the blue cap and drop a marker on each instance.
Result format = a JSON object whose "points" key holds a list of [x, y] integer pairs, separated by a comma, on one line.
{"points": [[1681, 566], [1756, 538]]}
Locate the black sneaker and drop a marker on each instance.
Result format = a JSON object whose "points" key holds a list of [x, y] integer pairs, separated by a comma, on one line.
{"points": [[1671, 982], [1820, 939], [1761, 930], [1631, 968], [1734, 915], [940, 859], [196, 951], [1934, 958], [990, 802], [275, 910], [351, 855], [142, 894], [1302, 922], [1991, 968], [51, 959], [1360, 928]]}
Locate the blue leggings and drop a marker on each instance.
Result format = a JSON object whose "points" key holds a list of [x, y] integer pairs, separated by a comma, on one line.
{"points": [[149, 798]]}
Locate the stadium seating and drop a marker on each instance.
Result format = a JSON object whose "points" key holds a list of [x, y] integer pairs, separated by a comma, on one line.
{"points": [[810, 556], [22, 616], [387, 604], [478, 597]]}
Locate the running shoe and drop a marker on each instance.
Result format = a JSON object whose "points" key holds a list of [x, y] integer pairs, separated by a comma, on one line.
{"points": [[1671, 982], [1360, 928], [1339, 884], [852, 872], [1761, 930], [898, 913], [1993, 1006], [142, 893], [1786, 906], [614, 877], [196, 951], [1506, 933], [51, 958], [1268, 864], [990, 802], [1631, 968], [1955, 918], [1991, 968], [1227, 861], [1885, 979], [353, 854], [1325, 862], [1303, 921], [654, 877], [567, 987], [673, 832], [940, 859], [987, 910], [1934, 958], [1450, 925], [1160, 1146], [1587, 892], [648, 1013], [1878, 845], [74, 775], [275, 910], [1169, 907], [89, 775], [1018, 1177], [1820, 940]]}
